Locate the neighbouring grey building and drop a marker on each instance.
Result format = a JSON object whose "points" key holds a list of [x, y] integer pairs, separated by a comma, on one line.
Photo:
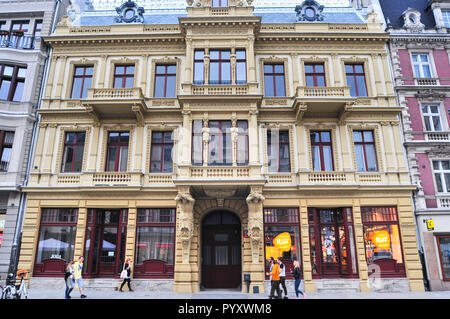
{"points": [[23, 59]]}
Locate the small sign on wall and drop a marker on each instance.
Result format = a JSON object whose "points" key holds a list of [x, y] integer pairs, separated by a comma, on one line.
{"points": [[430, 224]]}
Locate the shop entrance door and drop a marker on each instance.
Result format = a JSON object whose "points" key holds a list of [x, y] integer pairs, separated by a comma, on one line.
{"points": [[335, 250], [106, 229], [221, 250]]}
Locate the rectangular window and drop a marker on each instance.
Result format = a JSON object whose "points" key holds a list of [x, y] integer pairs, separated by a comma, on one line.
{"points": [[220, 148], [199, 67], [124, 76], [278, 150], [444, 254], [356, 79], [197, 142], [441, 171], [242, 143], [274, 80], [322, 152], [73, 152], [382, 238], [6, 144], [241, 67], [165, 80], [161, 154], [432, 118], [446, 17], [219, 3], [421, 64], [220, 67], [155, 240], [276, 222], [37, 28], [315, 74], [117, 151], [366, 159], [82, 80], [57, 234], [12, 81]]}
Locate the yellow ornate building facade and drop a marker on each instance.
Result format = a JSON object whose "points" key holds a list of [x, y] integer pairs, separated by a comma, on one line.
{"points": [[189, 142]]}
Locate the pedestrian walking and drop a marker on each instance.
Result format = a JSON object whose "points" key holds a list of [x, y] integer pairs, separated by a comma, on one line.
{"points": [[68, 278], [275, 273], [78, 269], [298, 279], [282, 277], [126, 274], [271, 261]]}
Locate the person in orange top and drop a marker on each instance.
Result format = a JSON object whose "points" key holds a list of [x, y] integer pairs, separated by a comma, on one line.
{"points": [[275, 280]]}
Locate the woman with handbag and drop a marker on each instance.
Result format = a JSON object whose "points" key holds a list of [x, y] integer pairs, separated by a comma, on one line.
{"points": [[68, 278], [126, 274]]}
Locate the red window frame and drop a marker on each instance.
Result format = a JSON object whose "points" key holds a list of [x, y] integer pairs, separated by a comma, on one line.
{"points": [[123, 76], [315, 74], [118, 146], [155, 268], [271, 218], [166, 75], [199, 136], [83, 77], [3, 146], [220, 61], [444, 277], [273, 74], [321, 144], [364, 144], [162, 144], [392, 220], [14, 80], [355, 75], [280, 143], [76, 144]]}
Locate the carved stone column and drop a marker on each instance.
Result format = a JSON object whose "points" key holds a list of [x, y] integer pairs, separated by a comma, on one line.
{"points": [[256, 231]]}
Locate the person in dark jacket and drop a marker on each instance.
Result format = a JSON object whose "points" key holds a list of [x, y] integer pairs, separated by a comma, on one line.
{"points": [[127, 278], [68, 278], [298, 279]]}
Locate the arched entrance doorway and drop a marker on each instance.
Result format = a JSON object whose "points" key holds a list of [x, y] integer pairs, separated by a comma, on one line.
{"points": [[221, 250]]}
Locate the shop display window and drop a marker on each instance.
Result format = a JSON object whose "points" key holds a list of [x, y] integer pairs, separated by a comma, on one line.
{"points": [[382, 240], [277, 222], [444, 254]]}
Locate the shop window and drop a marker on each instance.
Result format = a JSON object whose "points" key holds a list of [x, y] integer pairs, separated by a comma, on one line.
{"points": [[161, 152], [274, 80], [315, 74], [278, 150], [73, 152], [155, 242], [220, 67], [82, 80], [382, 240], [6, 144], [278, 221], [421, 64], [123, 76], [356, 79], [444, 254], [366, 159], [165, 80], [322, 152], [56, 239], [12, 81], [441, 170], [117, 151]]}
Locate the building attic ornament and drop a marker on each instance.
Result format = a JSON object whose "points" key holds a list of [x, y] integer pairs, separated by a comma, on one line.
{"points": [[129, 12], [412, 22], [309, 10]]}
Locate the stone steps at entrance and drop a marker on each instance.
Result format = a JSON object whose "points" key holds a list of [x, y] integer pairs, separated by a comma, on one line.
{"points": [[58, 283], [334, 285]]}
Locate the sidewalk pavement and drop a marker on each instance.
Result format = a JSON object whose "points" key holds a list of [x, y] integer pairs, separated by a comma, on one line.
{"points": [[230, 294]]}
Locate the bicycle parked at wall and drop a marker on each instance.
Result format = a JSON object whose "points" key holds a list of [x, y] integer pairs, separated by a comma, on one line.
{"points": [[12, 291]]}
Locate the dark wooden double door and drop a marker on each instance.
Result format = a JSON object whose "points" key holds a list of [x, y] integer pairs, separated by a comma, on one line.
{"points": [[105, 242], [221, 250]]}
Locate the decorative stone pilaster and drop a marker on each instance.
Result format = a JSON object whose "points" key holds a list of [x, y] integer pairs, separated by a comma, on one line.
{"points": [[185, 227]]}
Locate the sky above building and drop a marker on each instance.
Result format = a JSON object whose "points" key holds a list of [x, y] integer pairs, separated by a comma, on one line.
{"points": [[181, 4]]}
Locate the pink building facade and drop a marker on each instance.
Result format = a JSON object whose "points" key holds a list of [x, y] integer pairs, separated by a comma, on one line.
{"points": [[420, 56]]}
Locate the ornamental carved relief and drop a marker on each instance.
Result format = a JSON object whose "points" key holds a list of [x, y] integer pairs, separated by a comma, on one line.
{"points": [[185, 228], [255, 222]]}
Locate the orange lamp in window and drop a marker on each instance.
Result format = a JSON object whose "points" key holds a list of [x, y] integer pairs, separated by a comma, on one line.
{"points": [[381, 239], [283, 242]]}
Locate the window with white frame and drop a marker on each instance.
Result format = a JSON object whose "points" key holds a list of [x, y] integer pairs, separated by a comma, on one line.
{"points": [[432, 118], [442, 175], [446, 18], [421, 63]]}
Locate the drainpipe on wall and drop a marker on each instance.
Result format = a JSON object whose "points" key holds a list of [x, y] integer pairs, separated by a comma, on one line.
{"points": [[15, 249]]}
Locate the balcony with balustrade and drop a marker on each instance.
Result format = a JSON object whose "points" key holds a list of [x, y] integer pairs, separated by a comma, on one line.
{"points": [[18, 40]]}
